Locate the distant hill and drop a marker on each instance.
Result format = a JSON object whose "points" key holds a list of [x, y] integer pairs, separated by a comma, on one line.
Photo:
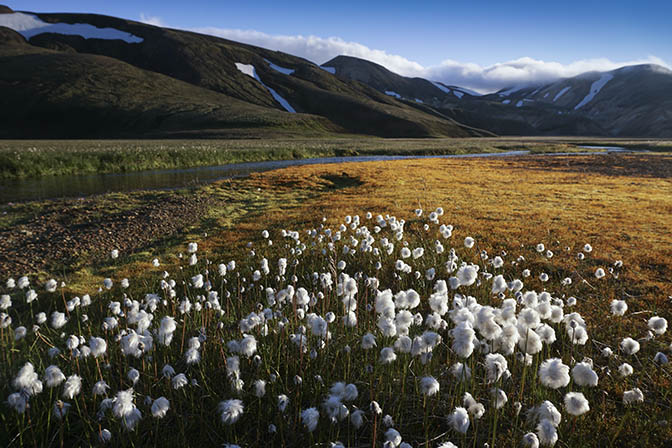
{"points": [[419, 90], [634, 101], [87, 75], [113, 77]]}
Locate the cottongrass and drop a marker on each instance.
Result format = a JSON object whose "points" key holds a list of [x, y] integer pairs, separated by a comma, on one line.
{"points": [[367, 333]]}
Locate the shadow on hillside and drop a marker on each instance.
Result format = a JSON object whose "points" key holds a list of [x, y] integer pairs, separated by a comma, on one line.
{"points": [[342, 180]]}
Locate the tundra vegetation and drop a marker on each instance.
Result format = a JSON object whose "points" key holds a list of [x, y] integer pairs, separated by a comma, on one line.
{"points": [[410, 303]]}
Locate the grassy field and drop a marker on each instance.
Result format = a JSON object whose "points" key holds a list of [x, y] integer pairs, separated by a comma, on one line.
{"points": [[619, 204], [31, 158]]}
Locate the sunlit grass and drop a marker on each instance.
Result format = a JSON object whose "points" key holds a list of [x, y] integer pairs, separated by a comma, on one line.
{"points": [[30, 158], [507, 206]]}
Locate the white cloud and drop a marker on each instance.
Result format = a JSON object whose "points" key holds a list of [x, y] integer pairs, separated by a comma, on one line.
{"points": [[483, 79], [521, 71], [316, 49], [151, 20]]}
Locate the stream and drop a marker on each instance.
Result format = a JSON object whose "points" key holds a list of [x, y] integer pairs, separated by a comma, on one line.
{"points": [[53, 187]]}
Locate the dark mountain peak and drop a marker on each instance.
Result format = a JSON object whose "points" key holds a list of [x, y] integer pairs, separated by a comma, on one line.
{"points": [[9, 36], [644, 68], [5, 9], [351, 60]]}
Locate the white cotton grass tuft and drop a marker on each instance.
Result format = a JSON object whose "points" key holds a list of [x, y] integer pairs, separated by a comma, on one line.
{"points": [[392, 438], [5, 302], [463, 339], [160, 407], [495, 365], [530, 440], [633, 396], [133, 375], [259, 388], [459, 420], [467, 275], [105, 436], [499, 397], [123, 407], [658, 325], [553, 373], [179, 381], [387, 355], [61, 409], [98, 346], [283, 401], [27, 380], [625, 369], [72, 387], [58, 320], [576, 403], [429, 386], [618, 307], [310, 418], [100, 388], [584, 375], [53, 376], [629, 346], [447, 445], [547, 433], [474, 408], [18, 401], [51, 285], [230, 411], [660, 358]]}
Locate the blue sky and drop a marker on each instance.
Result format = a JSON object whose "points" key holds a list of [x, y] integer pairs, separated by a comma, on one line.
{"points": [[418, 38]]}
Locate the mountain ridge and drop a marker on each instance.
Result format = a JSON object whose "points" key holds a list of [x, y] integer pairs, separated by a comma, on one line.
{"points": [[207, 62], [630, 101], [222, 87]]}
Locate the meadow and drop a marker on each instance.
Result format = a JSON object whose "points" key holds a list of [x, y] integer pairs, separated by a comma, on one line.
{"points": [[413, 303], [30, 158]]}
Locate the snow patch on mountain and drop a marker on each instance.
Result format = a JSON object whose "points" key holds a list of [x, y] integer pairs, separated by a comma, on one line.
{"points": [[249, 70], [277, 68], [595, 89], [441, 87], [560, 93], [29, 25], [512, 90], [458, 94], [469, 91], [392, 93]]}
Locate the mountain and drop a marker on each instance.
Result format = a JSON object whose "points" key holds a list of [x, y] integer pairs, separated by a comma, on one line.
{"points": [[419, 90], [47, 93], [634, 101], [93, 75], [87, 75]]}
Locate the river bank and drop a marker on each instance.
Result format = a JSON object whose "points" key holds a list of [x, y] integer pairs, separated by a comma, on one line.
{"points": [[623, 199], [22, 159]]}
